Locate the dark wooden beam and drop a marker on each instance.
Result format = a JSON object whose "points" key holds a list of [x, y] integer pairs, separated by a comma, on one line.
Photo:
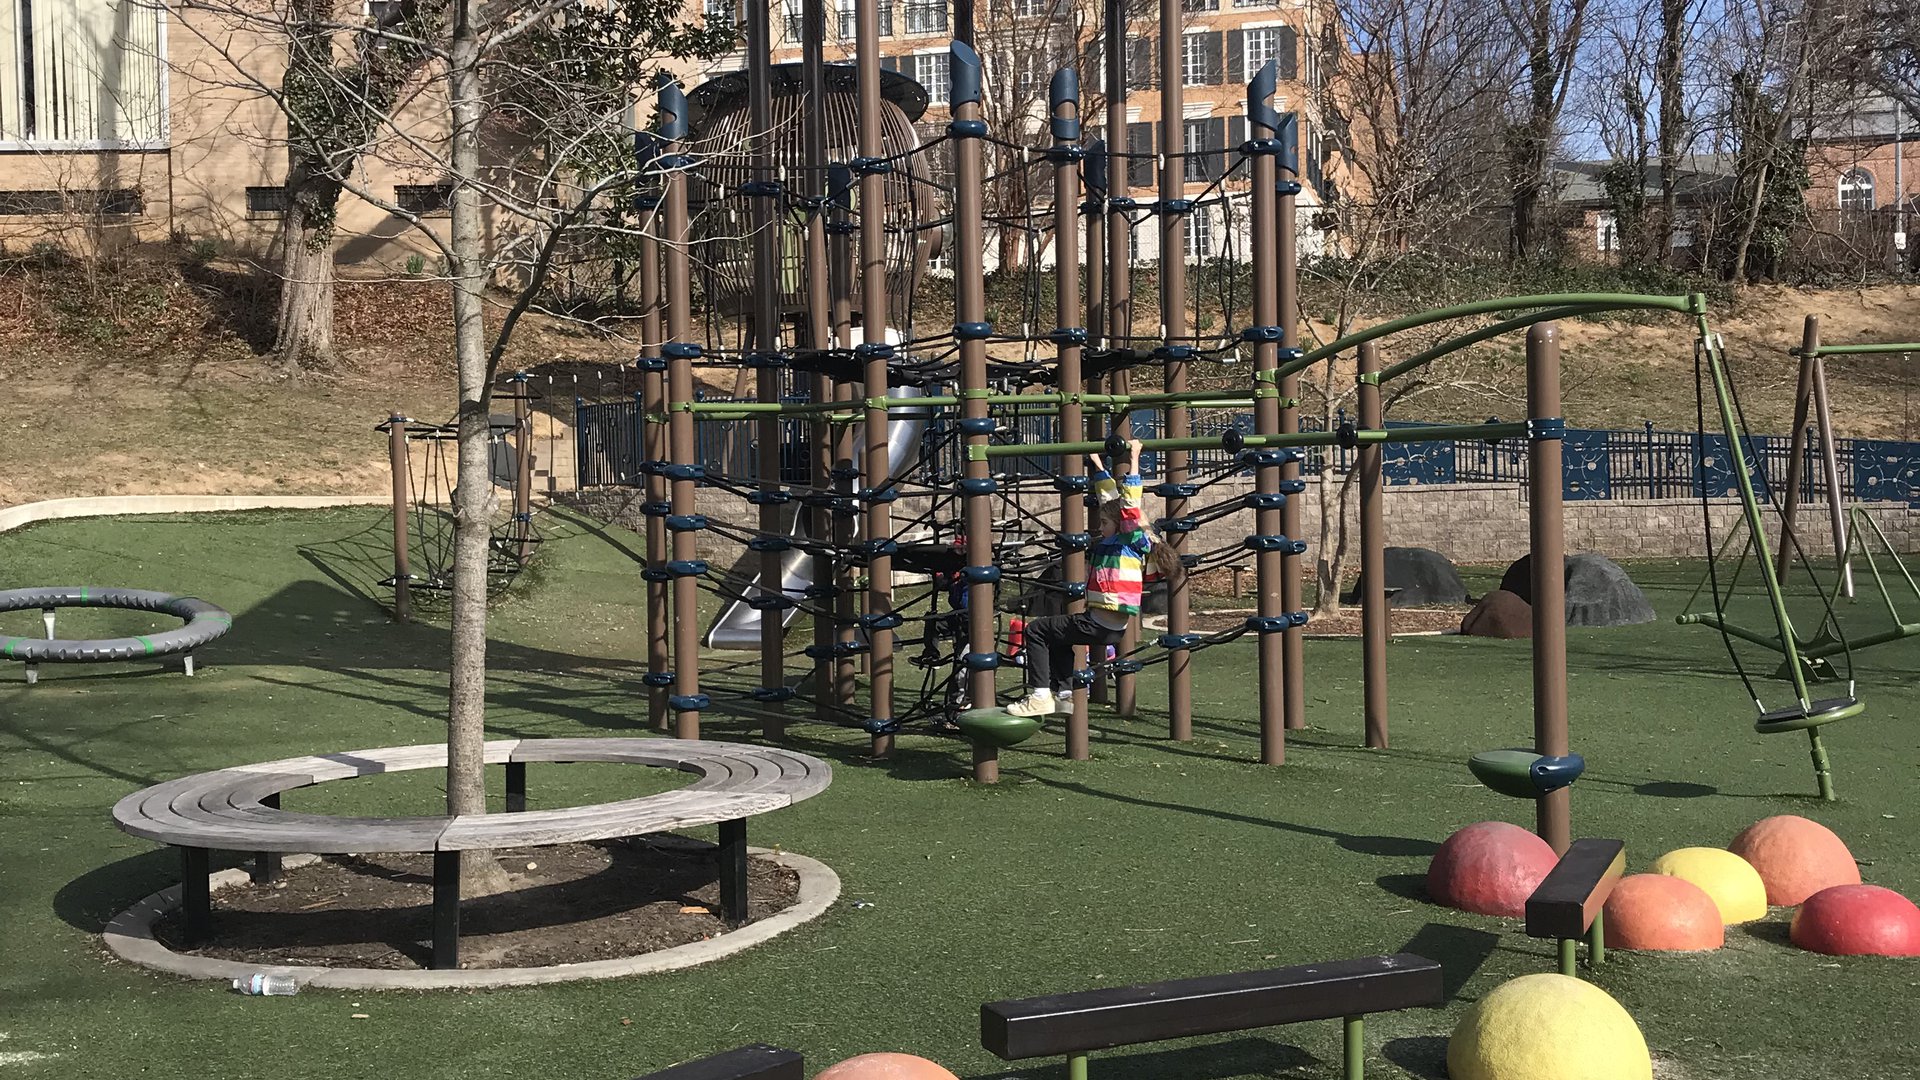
{"points": [[1121, 1016], [1576, 889]]}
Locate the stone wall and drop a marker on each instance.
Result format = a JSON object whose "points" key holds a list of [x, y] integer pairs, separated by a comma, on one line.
{"points": [[1468, 523]]}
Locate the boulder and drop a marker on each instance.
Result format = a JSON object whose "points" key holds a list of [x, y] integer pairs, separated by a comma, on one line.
{"points": [[1499, 614], [1599, 592], [1417, 577]]}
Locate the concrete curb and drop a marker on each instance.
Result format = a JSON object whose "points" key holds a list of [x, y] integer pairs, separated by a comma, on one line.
{"points": [[14, 517], [130, 936]]}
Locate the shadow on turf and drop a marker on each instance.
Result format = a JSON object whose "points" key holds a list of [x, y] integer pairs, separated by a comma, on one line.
{"points": [[1234, 1058], [1424, 1056], [1459, 950]]}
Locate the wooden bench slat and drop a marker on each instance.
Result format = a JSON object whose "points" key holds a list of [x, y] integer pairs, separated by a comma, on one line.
{"points": [[1575, 890], [1076, 1023]]}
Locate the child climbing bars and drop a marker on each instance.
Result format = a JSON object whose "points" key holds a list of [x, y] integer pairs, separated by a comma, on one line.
{"points": [[1117, 569]]}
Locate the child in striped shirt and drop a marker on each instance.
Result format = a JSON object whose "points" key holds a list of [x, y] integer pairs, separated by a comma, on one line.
{"points": [[1117, 563]]}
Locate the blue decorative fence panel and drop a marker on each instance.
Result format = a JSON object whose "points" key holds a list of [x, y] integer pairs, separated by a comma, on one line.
{"points": [[1885, 471]]}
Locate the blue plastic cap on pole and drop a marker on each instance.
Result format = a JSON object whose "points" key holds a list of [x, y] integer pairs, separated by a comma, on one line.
{"points": [[965, 74], [840, 186], [1065, 90], [1289, 133], [673, 109], [1260, 91], [1095, 169], [646, 147]]}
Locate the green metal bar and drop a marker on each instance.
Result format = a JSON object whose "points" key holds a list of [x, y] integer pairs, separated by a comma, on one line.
{"points": [[1691, 304], [1426, 433], [1569, 964], [1750, 508], [1077, 1067], [1353, 1056], [1507, 326], [1597, 940], [1868, 349]]}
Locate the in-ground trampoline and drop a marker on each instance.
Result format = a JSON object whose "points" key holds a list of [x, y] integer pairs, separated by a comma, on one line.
{"points": [[203, 623]]}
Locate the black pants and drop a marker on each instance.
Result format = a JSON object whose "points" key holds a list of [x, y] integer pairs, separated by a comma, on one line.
{"points": [[1050, 643]]}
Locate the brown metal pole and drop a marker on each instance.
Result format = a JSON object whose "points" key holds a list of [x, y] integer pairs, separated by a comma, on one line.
{"points": [[1373, 552], [764, 220], [1546, 528], [1262, 121], [1830, 465], [970, 326], [402, 504], [840, 271], [813, 33], [686, 700], [1064, 96], [873, 322], [1797, 452], [1096, 245], [653, 410], [523, 469], [1119, 313], [1174, 329], [1293, 638]]}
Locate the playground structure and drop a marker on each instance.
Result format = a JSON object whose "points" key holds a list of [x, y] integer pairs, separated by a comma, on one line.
{"points": [[203, 623]]}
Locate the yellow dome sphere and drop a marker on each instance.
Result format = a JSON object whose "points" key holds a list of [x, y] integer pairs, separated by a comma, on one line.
{"points": [[1730, 880], [1547, 1027]]}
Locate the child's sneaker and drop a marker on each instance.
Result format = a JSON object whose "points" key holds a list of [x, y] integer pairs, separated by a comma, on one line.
{"points": [[1063, 704], [1038, 703]]}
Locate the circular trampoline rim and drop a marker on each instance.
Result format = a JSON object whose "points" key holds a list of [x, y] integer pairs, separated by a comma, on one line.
{"points": [[203, 623]]}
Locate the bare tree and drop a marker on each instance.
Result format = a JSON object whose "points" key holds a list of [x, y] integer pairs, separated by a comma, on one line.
{"points": [[524, 108], [1550, 32]]}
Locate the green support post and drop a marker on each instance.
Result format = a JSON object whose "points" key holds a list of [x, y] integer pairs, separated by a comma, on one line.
{"points": [[1597, 940], [1354, 1057], [1077, 1067], [1569, 957]]}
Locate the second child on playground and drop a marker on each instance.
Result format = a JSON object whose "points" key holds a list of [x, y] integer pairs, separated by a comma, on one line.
{"points": [[1117, 566]]}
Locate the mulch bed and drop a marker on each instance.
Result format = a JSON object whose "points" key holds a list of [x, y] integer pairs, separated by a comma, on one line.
{"points": [[1346, 623], [572, 903]]}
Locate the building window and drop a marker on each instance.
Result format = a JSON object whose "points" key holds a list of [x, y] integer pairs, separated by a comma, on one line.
{"points": [[796, 20], [1193, 140], [1139, 63], [1199, 234], [73, 202], [1200, 60], [850, 21], [1606, 232], [1032, 9], [82, 75], [1192, 6], [720, 15], [1856, 190], [927, 16], [1254, 3], [424, 200], [1256, 48], [930, 71], [267, 201]]}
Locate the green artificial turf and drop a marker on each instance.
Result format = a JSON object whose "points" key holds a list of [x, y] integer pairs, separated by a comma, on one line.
{"points": [[1152, 861]]}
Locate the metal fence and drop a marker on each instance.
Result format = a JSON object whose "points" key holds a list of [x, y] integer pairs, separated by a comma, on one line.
{"points": [[1599, 463]]}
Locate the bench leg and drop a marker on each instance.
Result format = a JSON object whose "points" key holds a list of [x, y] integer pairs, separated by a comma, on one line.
{"points": [[1353, 1057], [33, 673], [196, 893], [186, 663], [446, 909], [47, 616], [516, 786], [266, 864], [1077, 1067], [1597, 940], [733, 871], [1569, 958]]}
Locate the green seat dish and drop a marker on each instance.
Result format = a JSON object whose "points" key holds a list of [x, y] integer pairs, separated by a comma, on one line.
{"points": [[997, 726], [1794, 718], [1525, 774]]}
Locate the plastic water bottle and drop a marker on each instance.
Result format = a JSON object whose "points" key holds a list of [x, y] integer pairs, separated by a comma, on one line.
{"points": [[262, 984]]}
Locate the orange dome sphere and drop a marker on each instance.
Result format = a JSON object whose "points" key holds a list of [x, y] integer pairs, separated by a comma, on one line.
{"points": [[1658, 913], [1796, 858], [886, 1067]]}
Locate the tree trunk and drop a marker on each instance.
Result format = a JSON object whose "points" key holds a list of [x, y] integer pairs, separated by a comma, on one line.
{"points": [[1673, 118], [304, 332], [474, 501]]}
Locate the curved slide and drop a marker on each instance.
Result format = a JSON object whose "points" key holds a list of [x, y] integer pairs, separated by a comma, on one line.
{"points": [[738, 625]]}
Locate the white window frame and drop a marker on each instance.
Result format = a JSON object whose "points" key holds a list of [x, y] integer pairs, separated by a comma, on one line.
{"points": [[939, 90], [1851, 184], [1196, 240], [1032, 9], [1193, 58], [1255, 3], [1270, 35], [944, 21], [162, 141], [1606, 232]]}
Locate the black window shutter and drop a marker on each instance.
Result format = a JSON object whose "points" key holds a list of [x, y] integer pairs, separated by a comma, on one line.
{"points": [[1287, 51], [1140, 155], [890, 63], [1236, 53], [1210, 47], [1216, 143], [1236, 133]]}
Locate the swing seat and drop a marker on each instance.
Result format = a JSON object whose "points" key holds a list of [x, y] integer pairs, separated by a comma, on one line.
{"points": [[1794, 718], [997, 727], [1525, 774]]}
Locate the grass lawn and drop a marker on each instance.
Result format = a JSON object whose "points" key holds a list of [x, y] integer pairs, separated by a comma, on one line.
{"points": [[1152, 861]]}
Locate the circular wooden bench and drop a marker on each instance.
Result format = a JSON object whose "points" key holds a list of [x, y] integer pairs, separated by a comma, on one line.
{"points": [[238, 809]]}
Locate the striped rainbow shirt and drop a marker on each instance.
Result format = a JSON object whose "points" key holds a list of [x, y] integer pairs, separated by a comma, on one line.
{"points": [[1117, 564]]}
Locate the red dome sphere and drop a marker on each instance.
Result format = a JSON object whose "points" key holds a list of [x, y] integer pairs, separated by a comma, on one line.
{"points": [[1858, 920], [1489, 868], [1795, 857], [1655, 912]]}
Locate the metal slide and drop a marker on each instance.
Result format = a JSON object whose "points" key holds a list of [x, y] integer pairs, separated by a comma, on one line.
{"points": [[738, 625]]}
